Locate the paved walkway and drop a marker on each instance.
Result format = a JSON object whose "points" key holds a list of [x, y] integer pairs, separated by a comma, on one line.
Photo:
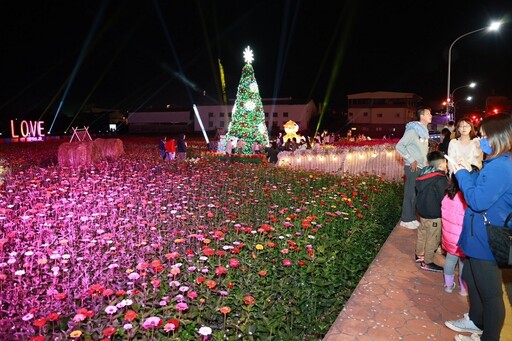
{"points": [[395, 300]]}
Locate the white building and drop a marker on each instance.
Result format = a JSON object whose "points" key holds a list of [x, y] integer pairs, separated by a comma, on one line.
{"points": [[216, 117], [381, 113]]}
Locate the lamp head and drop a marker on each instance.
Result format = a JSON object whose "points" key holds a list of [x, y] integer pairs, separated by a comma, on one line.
{"points": [[495, 25]]}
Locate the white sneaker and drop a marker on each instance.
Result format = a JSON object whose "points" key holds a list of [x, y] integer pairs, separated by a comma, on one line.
{"points": [[409, 225], [464, 325], [449, 289], [417, 223], [473, 337]]}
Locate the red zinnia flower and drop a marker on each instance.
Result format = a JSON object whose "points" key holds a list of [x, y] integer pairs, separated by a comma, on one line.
{"points": [[130, 315], [220, 270], [220, 253], [108, 292], [40, 322], [174, 322], [211, 283], [120, 293], [60, 296], [109, 331], [208, 251], [53, 317], [37, 338]]}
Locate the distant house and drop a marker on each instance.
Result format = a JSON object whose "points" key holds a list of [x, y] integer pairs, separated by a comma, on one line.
{"points": [[169, 121], [496, 104], [381, 113]]}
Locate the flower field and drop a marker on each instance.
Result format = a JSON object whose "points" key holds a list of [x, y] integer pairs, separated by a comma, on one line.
{"points": [[141, 249]]}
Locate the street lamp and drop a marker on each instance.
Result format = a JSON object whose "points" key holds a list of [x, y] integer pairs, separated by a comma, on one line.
{"points": [[470, 85], [494, 26], [468, 99], [451, 102]]}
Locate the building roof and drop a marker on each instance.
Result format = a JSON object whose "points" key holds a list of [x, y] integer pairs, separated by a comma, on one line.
{"points": [[383, 94]]}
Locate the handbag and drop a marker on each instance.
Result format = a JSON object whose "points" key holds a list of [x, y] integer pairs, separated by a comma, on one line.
{"points": [[500, 241]]}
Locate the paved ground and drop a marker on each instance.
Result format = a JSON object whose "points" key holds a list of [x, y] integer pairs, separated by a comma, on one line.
{"points": [[396, 300]]}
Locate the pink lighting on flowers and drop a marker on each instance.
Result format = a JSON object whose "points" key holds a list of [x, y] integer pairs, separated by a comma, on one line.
{"points": [[152, 322], [182, 306]]}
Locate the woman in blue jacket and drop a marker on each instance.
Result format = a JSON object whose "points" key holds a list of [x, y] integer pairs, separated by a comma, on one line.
{"points": [[488, 191]]}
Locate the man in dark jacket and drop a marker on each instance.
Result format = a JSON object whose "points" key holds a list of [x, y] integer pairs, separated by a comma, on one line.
{"points": [[431, 185]]}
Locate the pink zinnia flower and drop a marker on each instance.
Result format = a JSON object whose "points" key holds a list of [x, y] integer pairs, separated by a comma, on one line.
{"points": [[152, 322], [111, 309], [182, 306]]}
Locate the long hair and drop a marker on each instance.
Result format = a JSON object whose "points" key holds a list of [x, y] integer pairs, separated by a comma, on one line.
{"points": [[498, 130], [472, 133], [453, 187]]}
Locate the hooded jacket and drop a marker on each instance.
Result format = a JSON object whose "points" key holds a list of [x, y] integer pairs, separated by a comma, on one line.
{"points": [[431, 185], [413, 146], [490, 191], [452, 214]]}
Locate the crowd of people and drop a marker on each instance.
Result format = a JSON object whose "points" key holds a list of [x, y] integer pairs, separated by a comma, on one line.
{"points": [[448, 193]]}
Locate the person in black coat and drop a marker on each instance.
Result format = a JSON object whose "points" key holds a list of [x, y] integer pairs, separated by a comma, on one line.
{"points": [[445, 141]]}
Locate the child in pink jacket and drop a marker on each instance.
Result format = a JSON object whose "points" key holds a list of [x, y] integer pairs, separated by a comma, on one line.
{"points": [[453, 207]]}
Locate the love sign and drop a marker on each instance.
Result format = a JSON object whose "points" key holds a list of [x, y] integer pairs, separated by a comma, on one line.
{"points": [[28, 129]]}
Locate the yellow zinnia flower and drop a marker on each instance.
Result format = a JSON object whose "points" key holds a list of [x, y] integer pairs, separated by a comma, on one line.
{"points": [[259, 247], [75, 334]]}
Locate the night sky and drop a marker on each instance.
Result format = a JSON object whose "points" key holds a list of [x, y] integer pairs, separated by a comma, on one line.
{"points": [[130, 55]]}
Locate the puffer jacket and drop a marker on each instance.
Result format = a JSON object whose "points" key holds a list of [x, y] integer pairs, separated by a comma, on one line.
{"points": [[490, 191], [430, 187], [452, 216]]}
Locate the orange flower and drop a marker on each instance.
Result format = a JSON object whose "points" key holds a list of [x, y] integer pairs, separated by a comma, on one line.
{"points": [[211, 284], [130, 315], [262, 273], [248, 300], [225, 310]]}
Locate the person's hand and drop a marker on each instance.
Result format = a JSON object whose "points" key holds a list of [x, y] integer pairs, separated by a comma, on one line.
{"points": [[462, 164], [414, 166]]}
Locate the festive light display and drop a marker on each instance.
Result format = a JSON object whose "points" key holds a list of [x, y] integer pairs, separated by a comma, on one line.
{"points": [[28, 129], [248, 118]]}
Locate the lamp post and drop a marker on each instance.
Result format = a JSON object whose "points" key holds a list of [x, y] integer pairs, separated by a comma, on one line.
{"points": [[452, 97], [468, 99], [494, 26]]}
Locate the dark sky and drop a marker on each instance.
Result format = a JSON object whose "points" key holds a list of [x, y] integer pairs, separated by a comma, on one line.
{"points": [[135, 54]]}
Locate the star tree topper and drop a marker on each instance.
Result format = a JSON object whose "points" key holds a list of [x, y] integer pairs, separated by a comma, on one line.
{"points": [[248, 55]]}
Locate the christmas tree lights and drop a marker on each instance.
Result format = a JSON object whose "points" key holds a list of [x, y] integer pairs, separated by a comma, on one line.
{"points": [[248, 118]]}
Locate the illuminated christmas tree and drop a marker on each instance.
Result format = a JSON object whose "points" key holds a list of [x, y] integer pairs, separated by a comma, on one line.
{"points": [[248, 118]]}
